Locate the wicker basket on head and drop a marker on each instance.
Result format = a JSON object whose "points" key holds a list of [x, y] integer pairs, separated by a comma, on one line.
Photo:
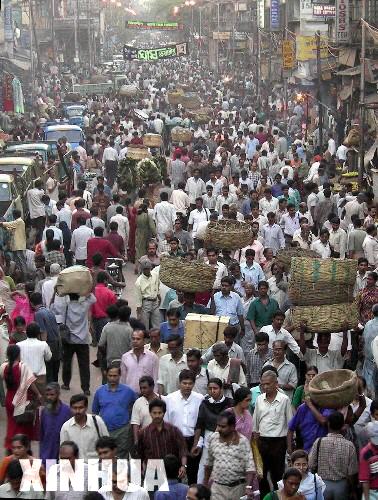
{"points": [[186, 276], [316, 294], [333, 389], [191, 100], [307, 270], [135, 153], [181, 134], [174, 96], [326, 318], [284, 256], [152, 140], [228, 234]]}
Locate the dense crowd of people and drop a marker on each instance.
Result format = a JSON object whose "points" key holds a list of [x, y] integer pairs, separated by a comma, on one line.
{"points": [[231, 421]]}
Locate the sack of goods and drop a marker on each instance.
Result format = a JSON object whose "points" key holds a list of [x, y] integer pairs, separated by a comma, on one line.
{"points": [[203, 330], [128, 90], [185, 276], [327, 284], [334, 389], [74, 279], [228, 234]]}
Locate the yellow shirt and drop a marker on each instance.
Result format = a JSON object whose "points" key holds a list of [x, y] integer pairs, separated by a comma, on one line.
{"points": [[18, 239], [146, 287]]}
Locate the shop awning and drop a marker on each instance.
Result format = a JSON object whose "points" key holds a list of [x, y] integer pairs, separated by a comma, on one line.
{"points": [[347, 57]]}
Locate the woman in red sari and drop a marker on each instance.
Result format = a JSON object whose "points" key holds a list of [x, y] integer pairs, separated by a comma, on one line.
{"points": [[367, 298], [19, 381]]}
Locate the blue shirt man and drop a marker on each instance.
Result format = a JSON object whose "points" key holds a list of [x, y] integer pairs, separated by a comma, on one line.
{"points": [[228, 303], [167, 328], [309, 426], [113, 401], [251, 270]]}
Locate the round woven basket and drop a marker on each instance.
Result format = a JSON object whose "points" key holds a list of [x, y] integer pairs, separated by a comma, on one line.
{"points": [[185, 276], [307, 270], [228, 234], [333, 389], [174, 96], [317, 294], [191, 100], [180, 134], [326, 318], [138, 153], [152, 140], [285, 255]]}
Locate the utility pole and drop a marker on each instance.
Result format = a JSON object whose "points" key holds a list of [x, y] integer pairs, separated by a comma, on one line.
{"points": [[89, 35], [53, 29], [76, 22], [319, 93], [285, 77], [362, 95]]}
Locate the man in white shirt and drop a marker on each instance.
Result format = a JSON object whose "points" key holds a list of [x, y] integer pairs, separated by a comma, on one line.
{"points": [[35, 353], [268, 203], [370, 246], [195, 186], [322, 246], [164, 215], [225, 199], [182, 412], [82, 153], [341, 154], [110, 161], [331, 144], [83, 429], [199, 214], [37, 209], [221, 269], [171, 365], [79, 240], [276, 332], [158, 124], [270, 425], [179, 199], [123, 224]]}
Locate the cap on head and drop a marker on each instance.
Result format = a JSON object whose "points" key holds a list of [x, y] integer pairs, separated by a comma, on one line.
{"points": [[372, 432]]}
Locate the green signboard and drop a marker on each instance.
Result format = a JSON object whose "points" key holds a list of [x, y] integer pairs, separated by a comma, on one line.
{"points": [[156, 54], [147, 25]]}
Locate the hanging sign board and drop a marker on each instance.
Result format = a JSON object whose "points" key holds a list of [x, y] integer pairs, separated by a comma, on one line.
{"points": [[147, 25], [156, 54]]}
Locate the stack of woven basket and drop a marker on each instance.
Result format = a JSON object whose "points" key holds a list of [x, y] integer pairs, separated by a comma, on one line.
{"points": [[321, 291]]}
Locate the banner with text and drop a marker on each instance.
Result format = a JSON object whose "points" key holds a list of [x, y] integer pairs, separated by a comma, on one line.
{"points": [[147, 25], [156, 54], [342, 21]]}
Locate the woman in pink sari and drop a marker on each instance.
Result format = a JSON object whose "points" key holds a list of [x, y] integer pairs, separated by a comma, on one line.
{"points": [[22, 304], [242, 400], [21, 389]]}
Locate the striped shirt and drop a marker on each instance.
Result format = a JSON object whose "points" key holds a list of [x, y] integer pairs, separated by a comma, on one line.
{"points": [[34, 353], [153, 444]]}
